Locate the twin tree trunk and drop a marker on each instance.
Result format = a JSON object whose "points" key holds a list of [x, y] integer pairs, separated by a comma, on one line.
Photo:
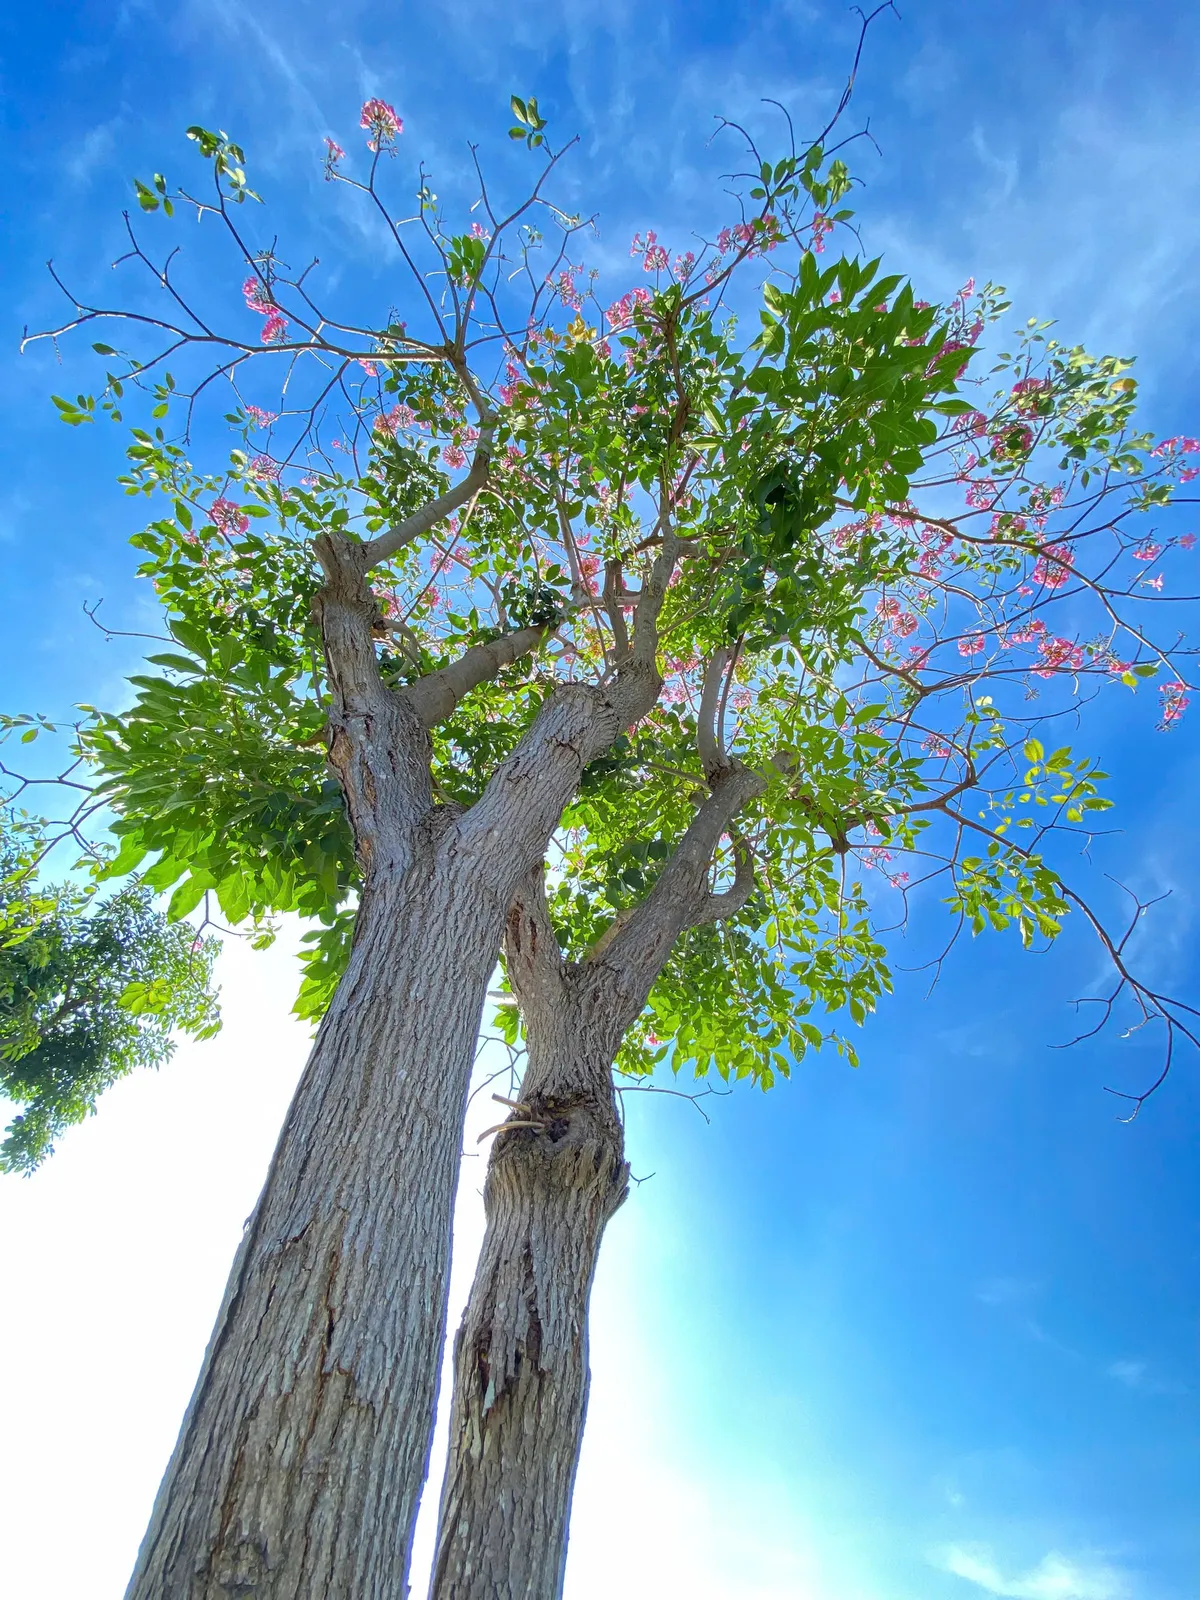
{"points": [[299, 1467]]}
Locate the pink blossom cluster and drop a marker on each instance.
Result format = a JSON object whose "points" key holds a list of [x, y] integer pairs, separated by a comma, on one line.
{"points": [[971, 644], [567, 289], [982, 494], [1147, 551], [1179, 445], [508, 390], [895, 617], [972, 422], [333, 154], [1058, 653], [738, 237], [620, 314], [929, 564], [381, 122], [1175, 701], [390, 421], [454, 456], [1045, 498], [1027, 394], [228, 517], [257, 296], [264, 467], [1053, 567], [260, 418], [821, 225], [935, 745], [654, 255], [478, 231]]}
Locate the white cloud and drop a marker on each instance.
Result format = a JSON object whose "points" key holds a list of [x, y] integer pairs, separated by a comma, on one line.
{"points": [[1130, 1373], [1055, 1577]]}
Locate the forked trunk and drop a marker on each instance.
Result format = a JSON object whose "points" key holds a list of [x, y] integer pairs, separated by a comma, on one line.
{"points": [[520, 1357], [300, 1462]]}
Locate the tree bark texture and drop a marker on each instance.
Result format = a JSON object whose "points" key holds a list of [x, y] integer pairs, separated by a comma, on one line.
{"points": [[299, 1466], [557, 1174], [520, 1356]]}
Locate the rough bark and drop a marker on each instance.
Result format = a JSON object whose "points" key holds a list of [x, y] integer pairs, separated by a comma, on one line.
{"points": [[302, 1455], [521, 1363], [556, 1175], [300, 1462]]}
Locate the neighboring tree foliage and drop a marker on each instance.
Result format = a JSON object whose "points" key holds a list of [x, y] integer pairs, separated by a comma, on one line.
{"points": [[89, 989], [671, 638]]}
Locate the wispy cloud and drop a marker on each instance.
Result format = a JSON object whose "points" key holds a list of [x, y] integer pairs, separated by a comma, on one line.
{"points": [[1131, 1373], [1055, 1577]]}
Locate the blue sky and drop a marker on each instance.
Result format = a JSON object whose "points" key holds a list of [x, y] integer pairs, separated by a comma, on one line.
{"points": [[924, 1331]]}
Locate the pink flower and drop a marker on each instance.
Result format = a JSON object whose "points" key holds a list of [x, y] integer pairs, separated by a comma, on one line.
{"points": [[1027, 393], [971, 644], [1058, 653], [821, 225], [589, 566], [981, 494], [1188, 541], [260, 418], [654, 257], [906, 624], [274, 328], [264, 467], [333, 154], [1053, 567], [228, 517], [1175, 702], [972, 422], [382, 123], [1156, 582], [454, 455], [1147, 552], [258, 296], [478, 231]]}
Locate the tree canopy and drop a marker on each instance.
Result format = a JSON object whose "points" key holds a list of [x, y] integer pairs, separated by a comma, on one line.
{"points": [[876, 563]]}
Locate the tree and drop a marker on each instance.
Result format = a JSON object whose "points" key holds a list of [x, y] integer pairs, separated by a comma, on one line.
{"points": [[89, 988], [617, 637]]}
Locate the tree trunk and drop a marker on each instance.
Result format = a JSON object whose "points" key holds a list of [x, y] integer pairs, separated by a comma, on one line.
{"points": [[557, 1173], [520, 1357], [301, 1459]]}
